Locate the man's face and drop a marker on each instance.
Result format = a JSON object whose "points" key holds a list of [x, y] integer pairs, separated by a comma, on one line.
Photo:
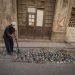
{"points": [[14, 26]]}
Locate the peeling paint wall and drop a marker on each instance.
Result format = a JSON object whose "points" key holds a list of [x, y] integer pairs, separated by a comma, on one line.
{"points": [[70, 30], [8, 13], [61, 20], [1, 16]]}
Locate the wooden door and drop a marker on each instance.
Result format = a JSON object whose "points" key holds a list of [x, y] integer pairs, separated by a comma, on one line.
{"points": [[35, 18], [31, 16]]}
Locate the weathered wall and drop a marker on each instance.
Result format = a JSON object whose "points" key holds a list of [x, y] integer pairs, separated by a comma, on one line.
{"points": [[61, 20], [8, 14], [70, 31], [9, 11], [1, 15]]}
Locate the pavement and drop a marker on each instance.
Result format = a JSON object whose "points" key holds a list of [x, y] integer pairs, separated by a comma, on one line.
{"points": [[19, 68], [42, 44], [9, 67]]}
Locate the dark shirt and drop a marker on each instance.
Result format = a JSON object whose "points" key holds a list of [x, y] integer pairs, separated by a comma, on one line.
{"points": [[8, 31]]}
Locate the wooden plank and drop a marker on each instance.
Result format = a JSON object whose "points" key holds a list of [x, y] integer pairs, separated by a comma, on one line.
{"points": [[35, 31]]}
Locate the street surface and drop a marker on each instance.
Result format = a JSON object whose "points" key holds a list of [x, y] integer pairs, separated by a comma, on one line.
{"points": [[19, 68]]}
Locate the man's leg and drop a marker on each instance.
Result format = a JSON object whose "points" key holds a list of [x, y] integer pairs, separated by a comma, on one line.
{"points": [[7, 44], [11, 45]]}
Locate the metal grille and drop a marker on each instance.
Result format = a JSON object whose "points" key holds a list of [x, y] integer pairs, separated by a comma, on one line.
{"points": [[22, 14], [72, 19]]}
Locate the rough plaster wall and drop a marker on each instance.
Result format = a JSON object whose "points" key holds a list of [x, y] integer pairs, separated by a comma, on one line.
{"points": [[70, 31], [8, 13], [73, 3], [1, 17], [61, 19]]}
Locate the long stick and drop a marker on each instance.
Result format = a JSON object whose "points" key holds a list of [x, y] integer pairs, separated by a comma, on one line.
{"points": [[18, 51]]}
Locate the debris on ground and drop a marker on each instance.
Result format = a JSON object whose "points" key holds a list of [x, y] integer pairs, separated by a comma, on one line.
{"points": [[44, 55]]}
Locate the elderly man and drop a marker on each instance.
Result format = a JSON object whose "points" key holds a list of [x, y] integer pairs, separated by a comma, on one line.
{"points": [[8, 39]]}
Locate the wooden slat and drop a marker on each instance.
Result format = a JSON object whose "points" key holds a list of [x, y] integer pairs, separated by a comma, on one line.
{"points": [[72, 19], [37, 32]]}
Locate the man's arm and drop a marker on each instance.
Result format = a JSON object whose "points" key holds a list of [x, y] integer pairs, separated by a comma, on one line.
{"points": [[8, 33], [14, 35]]}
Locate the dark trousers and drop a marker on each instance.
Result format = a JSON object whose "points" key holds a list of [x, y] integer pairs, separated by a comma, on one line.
{"points": [[9, 45]]}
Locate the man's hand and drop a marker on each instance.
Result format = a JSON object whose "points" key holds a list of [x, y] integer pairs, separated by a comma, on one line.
{"points": [[15, 36]]}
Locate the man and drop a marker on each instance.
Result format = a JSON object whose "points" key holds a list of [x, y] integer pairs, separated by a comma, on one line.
{"points": [[8, 38]]}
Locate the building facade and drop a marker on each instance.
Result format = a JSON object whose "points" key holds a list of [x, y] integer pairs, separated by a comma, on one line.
{"points": [[52, 20]]}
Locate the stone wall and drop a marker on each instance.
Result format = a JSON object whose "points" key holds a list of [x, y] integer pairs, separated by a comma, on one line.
{"points": [[1, 17], [8, 14], [70, 31], [61, 20]]}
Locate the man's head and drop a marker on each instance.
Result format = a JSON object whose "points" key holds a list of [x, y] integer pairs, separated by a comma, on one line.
{"points": [[14, 25]]}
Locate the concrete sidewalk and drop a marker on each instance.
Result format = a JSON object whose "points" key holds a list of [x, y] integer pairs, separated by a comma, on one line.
{"points": [[11, 68], [42, 44]]}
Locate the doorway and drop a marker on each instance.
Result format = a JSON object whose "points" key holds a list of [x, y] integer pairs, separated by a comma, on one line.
{"points": [[35, 19]]}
